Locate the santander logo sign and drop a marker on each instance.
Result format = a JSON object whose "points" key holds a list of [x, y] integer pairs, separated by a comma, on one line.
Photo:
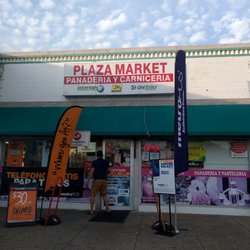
{"points": [[77, 136]]}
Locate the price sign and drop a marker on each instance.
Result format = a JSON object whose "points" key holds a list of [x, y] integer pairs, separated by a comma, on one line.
{"points": [[22, 205], [165, 182]]}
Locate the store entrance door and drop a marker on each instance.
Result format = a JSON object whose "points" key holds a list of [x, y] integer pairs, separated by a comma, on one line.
{"points": [[120, 154]]}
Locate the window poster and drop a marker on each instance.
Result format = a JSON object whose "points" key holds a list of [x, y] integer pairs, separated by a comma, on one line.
{"points": [[151, 153], [15, 154], [117, 152], [239, 149], [154, 156], [145, 156], [196, 154], [118, 192], [196, 151]]}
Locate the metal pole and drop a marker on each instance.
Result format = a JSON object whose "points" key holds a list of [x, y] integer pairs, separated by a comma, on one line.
{"points": [[175, 216]]}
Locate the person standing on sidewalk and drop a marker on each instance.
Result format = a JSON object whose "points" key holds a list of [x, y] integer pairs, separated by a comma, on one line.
{"points": [[99, 172]]}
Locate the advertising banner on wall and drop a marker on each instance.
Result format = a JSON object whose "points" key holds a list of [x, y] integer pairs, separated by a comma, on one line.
{"points": [[214, 187], [119, 77], [180, 122], [61, 146], [72, 185], [81, 139]]}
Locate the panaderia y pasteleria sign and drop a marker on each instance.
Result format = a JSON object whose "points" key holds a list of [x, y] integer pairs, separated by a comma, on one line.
{"points": [[119, 77]]}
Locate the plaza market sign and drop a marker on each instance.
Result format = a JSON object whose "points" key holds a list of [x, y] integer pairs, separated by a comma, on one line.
{"points": [[119, 78]]}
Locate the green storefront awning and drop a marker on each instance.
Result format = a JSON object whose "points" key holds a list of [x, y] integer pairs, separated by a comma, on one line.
{"points": [[207, 120]]}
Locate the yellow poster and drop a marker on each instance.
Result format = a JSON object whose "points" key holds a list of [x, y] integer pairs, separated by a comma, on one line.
{"points": [[61, 147], [196, 151]]}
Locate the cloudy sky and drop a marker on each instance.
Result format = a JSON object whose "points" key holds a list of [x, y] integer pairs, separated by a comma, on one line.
{"points": [[32, 25]]}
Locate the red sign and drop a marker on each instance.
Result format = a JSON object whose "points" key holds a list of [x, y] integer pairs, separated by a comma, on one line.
{"points": [[239, 149], [151, 148]]}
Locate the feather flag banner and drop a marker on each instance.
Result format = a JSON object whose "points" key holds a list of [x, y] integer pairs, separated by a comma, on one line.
{"points": [[61, 146], [180, 122]]}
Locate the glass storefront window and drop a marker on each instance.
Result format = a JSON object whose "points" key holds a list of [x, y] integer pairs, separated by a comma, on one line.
{"points": [[117, 152], [152, 152], [24, 153]]}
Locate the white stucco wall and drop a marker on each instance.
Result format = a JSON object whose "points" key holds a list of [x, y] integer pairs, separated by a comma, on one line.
{"points": [[225, 77], [218, 157]]}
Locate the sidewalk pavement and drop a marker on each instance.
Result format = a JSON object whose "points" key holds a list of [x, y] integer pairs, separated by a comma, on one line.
{"points": [[77, 232]]}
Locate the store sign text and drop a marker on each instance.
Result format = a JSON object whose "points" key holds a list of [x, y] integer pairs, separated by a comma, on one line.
{"points": [[119, 78], [120, 69]]}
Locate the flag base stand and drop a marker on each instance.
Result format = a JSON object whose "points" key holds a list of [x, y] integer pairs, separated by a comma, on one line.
{"points": [[165, 229], [161, 226], [50, 221]]}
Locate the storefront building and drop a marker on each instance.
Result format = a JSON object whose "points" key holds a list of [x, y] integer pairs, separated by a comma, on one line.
{"points": [[127, 97]]}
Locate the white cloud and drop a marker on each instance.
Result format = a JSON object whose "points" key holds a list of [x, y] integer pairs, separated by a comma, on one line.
{"points": [[165, 6], [130, 34], [32, 21], [5, 6], [21, 21], [172, 43], [114, 19], [104, 44], [17, 32], [71, 20], [22, 4], [65, 41], [239, 28], [232, 29], [32, 32], [182, 3], [10, 22], [32, 42], [47, 4], [197, 37], [46, 22], [144, 25], [76, 24], [126, 45], [146, 43], [227, 40], [238, 4], [222, 23], [164, 23]]}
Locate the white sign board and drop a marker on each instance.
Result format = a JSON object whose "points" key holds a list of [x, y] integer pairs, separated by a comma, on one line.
{"points": [[81, 139], [128, 77], [90, 149], [165, 182]]}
